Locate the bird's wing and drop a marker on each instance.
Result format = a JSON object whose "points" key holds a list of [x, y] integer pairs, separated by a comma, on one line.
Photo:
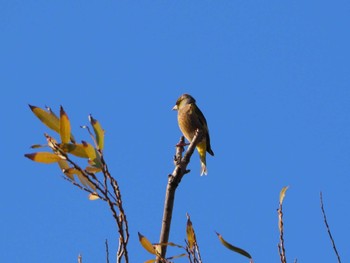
{"points": [[201, 118], [203, 123]]}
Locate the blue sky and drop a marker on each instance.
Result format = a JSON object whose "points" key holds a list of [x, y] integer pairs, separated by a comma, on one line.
{"points": [[272, 79]]}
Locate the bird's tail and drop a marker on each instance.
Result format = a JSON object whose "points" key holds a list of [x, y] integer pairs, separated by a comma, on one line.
{"points": [[201, 148], [204, 170]]}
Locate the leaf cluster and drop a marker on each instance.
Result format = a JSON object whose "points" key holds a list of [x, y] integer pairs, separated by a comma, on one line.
{"points": [[95, 178]]}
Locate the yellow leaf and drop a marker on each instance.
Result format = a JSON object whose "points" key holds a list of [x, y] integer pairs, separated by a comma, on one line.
{"points": [[99, 132], [93, 170], [64, 126], [146, 244], [283, 194], [72, 171], [233, 248], [190, 233], [43, 157], [89, 150], [150, 261], [64, 166], [48, 118], [93, 196], [75, 149], [87, 182]]}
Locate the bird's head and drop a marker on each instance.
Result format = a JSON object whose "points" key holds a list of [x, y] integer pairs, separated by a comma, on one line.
{"points": [[183, 100]]}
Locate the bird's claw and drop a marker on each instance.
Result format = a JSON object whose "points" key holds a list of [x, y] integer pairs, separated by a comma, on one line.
{"points": [[182, 144]]}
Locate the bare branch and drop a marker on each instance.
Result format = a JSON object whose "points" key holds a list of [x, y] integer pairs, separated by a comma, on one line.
{"points": [[120, 219], [281, 248], [173, 181], [328, 229]]}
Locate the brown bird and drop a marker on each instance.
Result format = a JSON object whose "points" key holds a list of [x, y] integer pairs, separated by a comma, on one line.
{"points": [[190, 118]]}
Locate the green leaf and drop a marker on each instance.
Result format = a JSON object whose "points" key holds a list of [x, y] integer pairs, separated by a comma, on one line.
{"points": [[233, 248], [93, 155]]}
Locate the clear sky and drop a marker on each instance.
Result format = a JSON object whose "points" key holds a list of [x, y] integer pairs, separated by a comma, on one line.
{"points": [[271, 77]]}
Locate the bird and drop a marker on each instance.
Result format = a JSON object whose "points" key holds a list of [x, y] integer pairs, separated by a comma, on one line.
{"points": [[190, 118]]}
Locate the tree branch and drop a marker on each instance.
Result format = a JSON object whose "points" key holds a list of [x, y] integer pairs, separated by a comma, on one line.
{"points": [[174, 180]]}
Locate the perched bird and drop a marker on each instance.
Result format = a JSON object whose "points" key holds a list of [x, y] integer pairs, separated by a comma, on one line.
{"points": [[190, 118]]}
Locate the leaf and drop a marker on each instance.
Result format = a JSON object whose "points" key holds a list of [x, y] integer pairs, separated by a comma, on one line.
{"points": [[43, 157], [146, 244], [92, 153], [93, 196], [89, 150], [92, 169], [190, 233], [36, 146], [75, 149], [64, 126], [150, 261], [233, 248], [48, 118], [82, 177], [64, 166], [283, 194], [99, 132]]}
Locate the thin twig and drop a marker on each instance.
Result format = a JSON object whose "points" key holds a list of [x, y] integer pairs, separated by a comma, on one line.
{"points": [[173, 181], [83, 188], [121, 218], [107, 251], [198, 252], [189, 251], [328, 229]]}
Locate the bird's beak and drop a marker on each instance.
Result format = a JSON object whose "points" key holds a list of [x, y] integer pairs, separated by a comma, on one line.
{"points": [[175, 107]]}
